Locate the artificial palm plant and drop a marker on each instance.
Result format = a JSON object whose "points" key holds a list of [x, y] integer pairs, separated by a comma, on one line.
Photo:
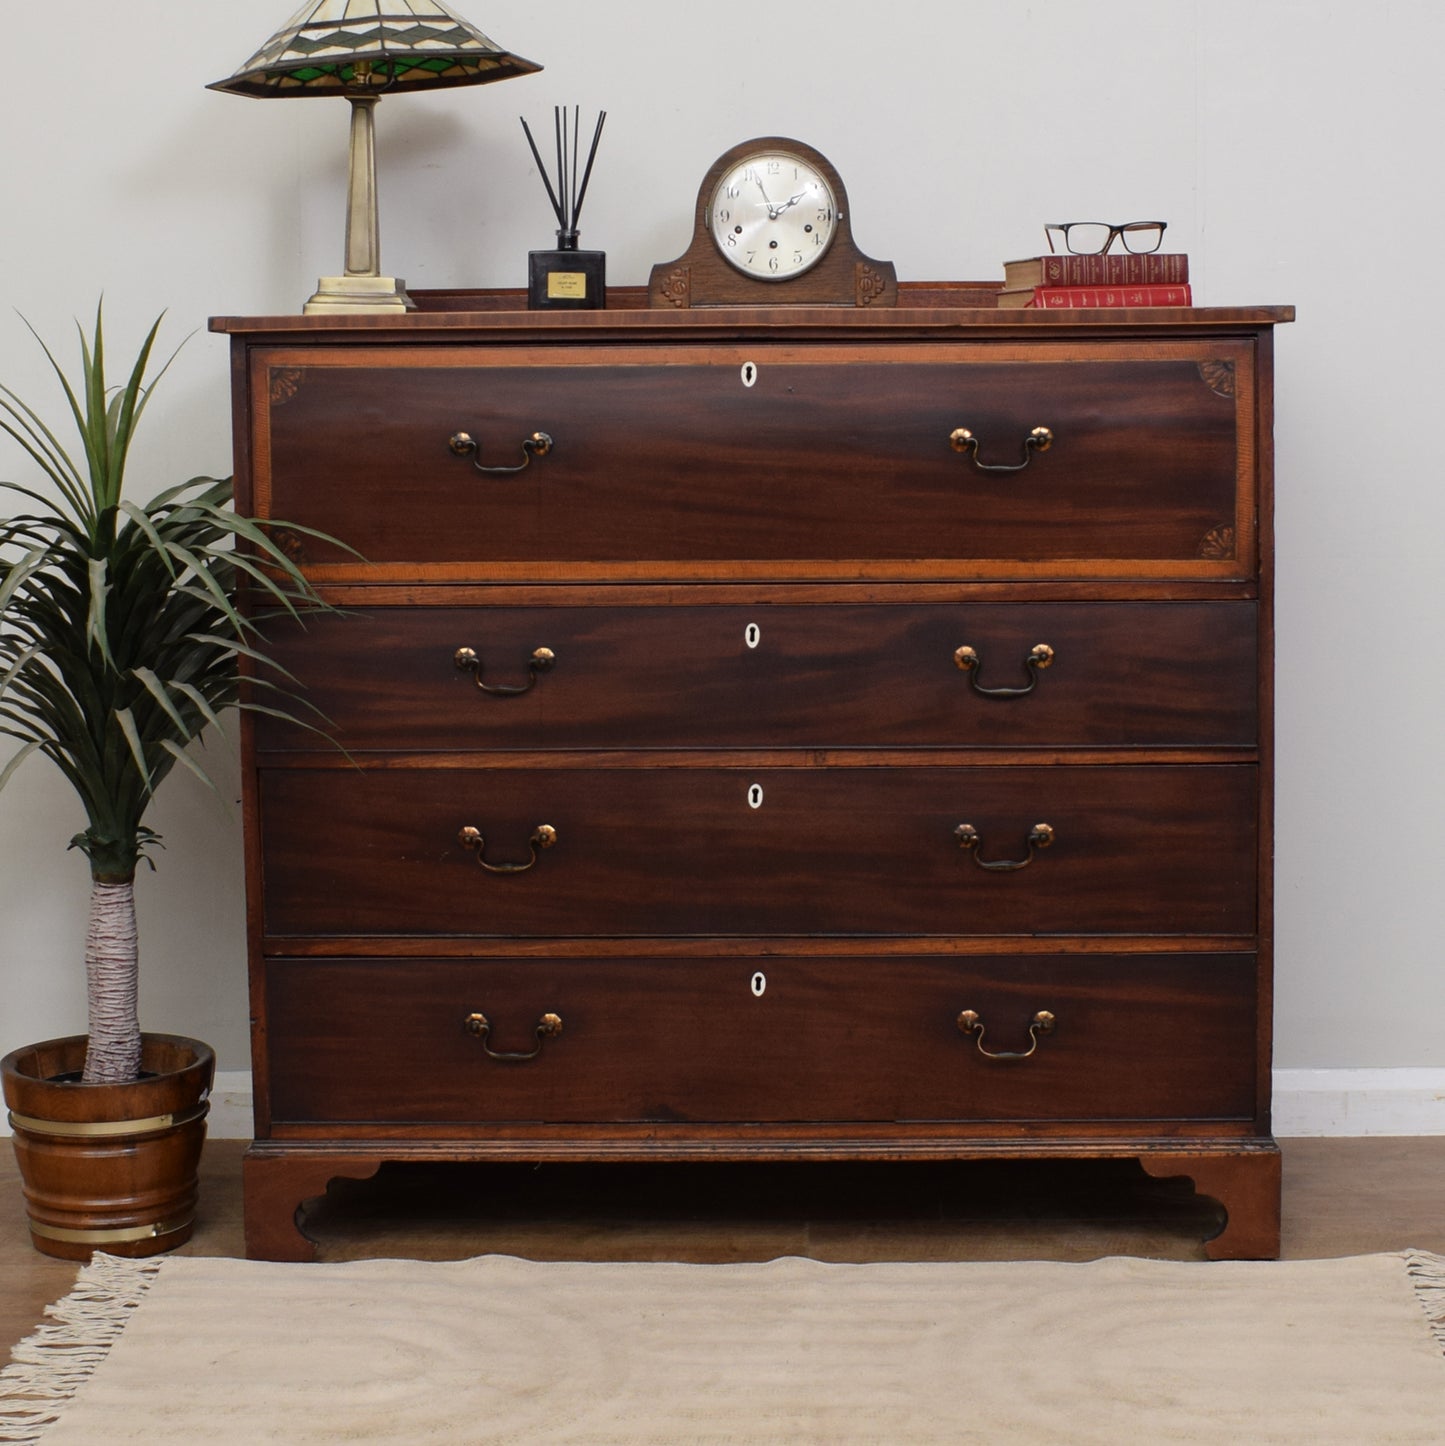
{"points": [[120, 642]]}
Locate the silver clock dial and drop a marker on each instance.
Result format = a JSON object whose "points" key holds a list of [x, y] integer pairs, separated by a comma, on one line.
{"points": [[772, 216]]}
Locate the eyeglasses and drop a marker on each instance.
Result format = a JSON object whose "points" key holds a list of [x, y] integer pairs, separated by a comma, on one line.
{"points": [[1093, 238]]}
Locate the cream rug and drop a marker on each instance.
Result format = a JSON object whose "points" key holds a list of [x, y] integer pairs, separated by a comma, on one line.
{"points": [[494, 1350]]}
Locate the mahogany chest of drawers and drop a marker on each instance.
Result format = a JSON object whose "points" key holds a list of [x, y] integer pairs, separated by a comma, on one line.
{"points": [[796, 733]]}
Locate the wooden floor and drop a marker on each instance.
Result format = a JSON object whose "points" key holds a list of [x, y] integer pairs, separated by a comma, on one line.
{"points": [[1341, 1197]]}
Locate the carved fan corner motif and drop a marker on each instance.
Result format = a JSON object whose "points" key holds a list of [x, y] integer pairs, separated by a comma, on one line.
{"points": [[291, 545], [1218, 543], [1218, 377], [285, 383]]}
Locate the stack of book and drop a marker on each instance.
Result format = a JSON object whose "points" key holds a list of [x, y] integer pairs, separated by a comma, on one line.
{"points": [[1047, 282]]}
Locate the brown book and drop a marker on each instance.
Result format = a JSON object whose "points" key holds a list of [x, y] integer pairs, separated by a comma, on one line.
{"points": [[1159, 268], [1055, 298]]}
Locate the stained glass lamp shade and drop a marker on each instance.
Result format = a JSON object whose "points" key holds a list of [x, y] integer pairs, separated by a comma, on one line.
{"points": [[363, 49]]}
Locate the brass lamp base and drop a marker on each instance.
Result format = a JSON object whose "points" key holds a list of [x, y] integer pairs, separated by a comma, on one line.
{"points": [[341, 294]]}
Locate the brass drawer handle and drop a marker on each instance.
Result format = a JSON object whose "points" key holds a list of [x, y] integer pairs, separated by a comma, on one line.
{"points": [[1041, 835], [969, 1022], [549, 1026], [537, 445], [1038, 440], [968, 660], [543, 837], [543, 660]]}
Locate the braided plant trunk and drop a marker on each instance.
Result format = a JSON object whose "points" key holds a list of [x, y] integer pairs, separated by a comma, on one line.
{"points": [[112, 976]]}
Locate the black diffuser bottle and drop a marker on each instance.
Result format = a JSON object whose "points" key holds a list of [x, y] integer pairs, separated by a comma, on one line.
{"points": [[567, 279]]}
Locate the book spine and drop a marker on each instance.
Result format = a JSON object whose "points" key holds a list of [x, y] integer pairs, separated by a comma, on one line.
{"points": [[1116, 269], [1049, 298]]}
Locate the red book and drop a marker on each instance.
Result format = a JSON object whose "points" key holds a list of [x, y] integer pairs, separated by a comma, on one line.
{"points": [[1053, 298], [1158, 268]]}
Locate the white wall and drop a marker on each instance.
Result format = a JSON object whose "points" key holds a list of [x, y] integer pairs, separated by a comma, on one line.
{"points": [[1291, 144]]}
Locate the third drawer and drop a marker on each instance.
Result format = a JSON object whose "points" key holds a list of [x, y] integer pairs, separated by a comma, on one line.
{"points": [[715, 851]]}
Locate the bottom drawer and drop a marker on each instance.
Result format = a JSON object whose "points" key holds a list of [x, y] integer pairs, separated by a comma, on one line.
{"points": [[1132, 1037]]}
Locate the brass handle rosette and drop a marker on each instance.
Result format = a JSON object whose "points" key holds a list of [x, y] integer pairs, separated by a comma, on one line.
{"points": [[970, 1022], [463, 444], [1041, 835], [544, 836], [1040, 439], [543, 660], [479, 1027], [967, 660]]}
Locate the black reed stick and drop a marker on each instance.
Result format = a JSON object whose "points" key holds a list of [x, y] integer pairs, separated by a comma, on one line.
{"points": [[591, 156], [567, 196]]}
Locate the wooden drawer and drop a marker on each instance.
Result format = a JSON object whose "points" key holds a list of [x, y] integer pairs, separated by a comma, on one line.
{"points": [[1174, 674], [684, 851], [1163, 1037], [836, 462]]}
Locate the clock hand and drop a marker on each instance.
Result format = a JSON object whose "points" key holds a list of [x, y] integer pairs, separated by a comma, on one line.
{"points": [[773, 211], [791, 201]]}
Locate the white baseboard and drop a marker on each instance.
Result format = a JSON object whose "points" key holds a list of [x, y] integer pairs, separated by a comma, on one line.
{"points": [[230, 1117], [1307, 1102], [1359, 1102]]}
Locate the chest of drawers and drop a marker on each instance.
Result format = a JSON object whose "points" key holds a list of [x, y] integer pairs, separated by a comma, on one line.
{"points": [[799, 733]]}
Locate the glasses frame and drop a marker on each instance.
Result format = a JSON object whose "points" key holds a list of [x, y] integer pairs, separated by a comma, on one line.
{"points": [[1117, 232]]}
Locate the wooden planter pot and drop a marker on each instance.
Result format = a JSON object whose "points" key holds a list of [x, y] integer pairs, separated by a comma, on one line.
{"points": [[109, 1167]]}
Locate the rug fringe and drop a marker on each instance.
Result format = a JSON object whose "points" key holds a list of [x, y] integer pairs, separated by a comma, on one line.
{"points": [[1427, 1275], [49, 1366]]}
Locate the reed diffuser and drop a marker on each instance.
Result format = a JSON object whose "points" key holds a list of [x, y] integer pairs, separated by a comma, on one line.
{"points": [[567, 279]]}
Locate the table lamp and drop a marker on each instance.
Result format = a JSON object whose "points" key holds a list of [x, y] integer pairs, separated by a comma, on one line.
{"points": [[363, 49]]}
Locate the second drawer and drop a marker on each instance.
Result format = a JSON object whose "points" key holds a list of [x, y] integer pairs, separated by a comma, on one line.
{"points": [[1020, 675]]}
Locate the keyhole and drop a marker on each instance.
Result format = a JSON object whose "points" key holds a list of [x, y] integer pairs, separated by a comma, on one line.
{"points": [[752, 635], [755, 796], [750, 374], [758, 984]]}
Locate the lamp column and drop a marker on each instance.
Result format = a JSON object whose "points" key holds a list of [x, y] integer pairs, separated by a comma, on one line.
{"points": [[362, 288]]}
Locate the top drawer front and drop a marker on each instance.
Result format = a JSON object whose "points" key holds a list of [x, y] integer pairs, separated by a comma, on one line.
{"points": [[769, 461]]}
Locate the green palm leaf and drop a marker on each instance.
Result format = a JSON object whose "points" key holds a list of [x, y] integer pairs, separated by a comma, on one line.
{"points": [[120, 638]]}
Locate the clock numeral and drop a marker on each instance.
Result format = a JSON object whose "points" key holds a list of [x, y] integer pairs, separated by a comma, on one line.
{"points": [[752, 258], [772, 263], [722, 218], [797, 258], [825, 215], [730, 239]]}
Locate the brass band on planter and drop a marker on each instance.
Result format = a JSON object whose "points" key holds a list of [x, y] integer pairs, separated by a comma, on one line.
{"points": [[102, 1129], [122, 1235]]}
